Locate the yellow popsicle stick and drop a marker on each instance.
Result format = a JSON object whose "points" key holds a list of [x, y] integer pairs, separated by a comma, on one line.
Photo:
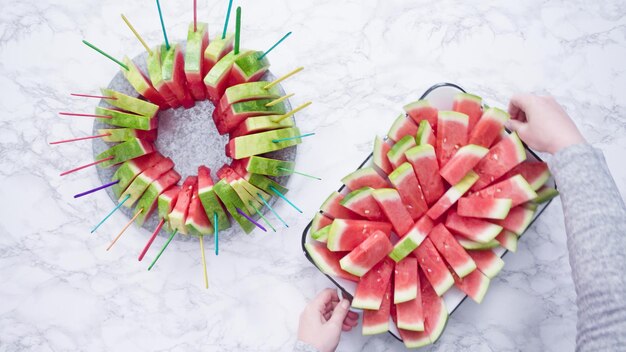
{"points": [[270, 85], [137, 34], [124, 229], [290, 113], [279, 100], [206, 276]]}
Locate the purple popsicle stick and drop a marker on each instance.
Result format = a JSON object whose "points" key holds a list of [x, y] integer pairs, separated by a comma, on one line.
{"points": [[251, 220], [96, 189]]}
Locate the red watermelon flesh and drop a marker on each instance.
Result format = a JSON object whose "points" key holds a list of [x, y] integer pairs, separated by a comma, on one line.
{"points": [[452, 195], [508, 240], [175, 79], [319, 221], [515, 188], [489, 127], [472, 228], [410, 315], [345, 235], [364, 177], [461, 263], [470, 105], [370, 290], [377, 321], [178, 215], [424, 162], [142, 84], [421, 110], [333, 209], [197, 221], [486, 208], [425, 134], [327, 261], [367, 254], [474, 285], [402, 127], [462, 162], [517, 220], [435, 312], [411, 339], [404, 180], [501, 158], [148, 201], [405, 280], [434, 267], [487, 262], [451, 134], [379, 157], [155, 72], [362, 203], [535, 172], [393, 208]]}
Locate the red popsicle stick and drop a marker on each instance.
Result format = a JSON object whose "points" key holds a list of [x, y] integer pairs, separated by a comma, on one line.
{"points": [[80, 139], [87, 165], [154, 234], [86, 115], [92, 96]]}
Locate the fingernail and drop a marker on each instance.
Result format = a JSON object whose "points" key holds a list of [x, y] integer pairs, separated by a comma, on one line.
{"points": [[345, 304]]}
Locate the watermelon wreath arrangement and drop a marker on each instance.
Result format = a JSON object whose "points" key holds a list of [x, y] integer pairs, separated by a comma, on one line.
{"points": [[424, 221], [209, 80]]}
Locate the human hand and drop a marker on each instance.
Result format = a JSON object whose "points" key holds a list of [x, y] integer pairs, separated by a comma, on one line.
{"points": [[542, 123], [323, 319]]}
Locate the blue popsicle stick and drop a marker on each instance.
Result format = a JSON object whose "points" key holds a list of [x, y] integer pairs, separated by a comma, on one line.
{"points": [[111, 213]]}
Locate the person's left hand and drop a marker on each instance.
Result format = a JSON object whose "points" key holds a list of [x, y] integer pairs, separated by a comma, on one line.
{"points": [[323, 319]]}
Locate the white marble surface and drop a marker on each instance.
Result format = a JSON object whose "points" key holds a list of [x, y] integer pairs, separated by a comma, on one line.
{"points": [[62, 291]]}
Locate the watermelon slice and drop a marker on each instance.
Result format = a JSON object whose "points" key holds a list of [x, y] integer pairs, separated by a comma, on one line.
{"points": [[487, 262], [411, 339], [327, 261], [544, 194], [462, 162], [470, 105], [197, 42], [434, 267], [237, 113], [475, 285], [421, 110], [142, 85], [435, 312], [406, 281], [472, 228], [197, 221], [508, 240], [229, 175], [216, 80], [404, 180], [257, 124], [396, 153], [217, 49], [178, 216], [425, 134], [128, 103], [345, 235], [125, 134], [362, 202], [535, 172], [391, 205], [364, 177], [410, 314], [320, 221], [401, 128], [125, 151], [501, 158], [265, 183], [426, 169], [517, 220], [515, 188], [130, 169], [249, 68], [333, 209], [173, 71], [370, 290], [379, 157], [268, 166], [452, 195], [472, 245], [367, 254], [148, 200], [141, 182], [489, 127], [155, 70], [486, 208], [451, 134], [377, 321], [322, 234], [210, 201], [412, 239], [126, 119], [231, 201], [458, 259], [247, 91], [260, 143], [166, 202]]}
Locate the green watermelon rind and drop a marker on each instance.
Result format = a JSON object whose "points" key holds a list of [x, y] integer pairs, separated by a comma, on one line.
{"points": [[488, 233], [407, 244], [231, 201], [509, 242], [499, 212], [453, 116], [358, 174], [496, 114], [337, 228], [375, 329], [126, 119], [250, 64], [397, 125], [269, 167], [482, 289], [396, 152], [523, 185], [416, 104], [423, 131], [492, 270], [211, 205], [420, 151], [125, 151], [193, 50], [378, 154], [321, 235], [468, 96], [400, 173], [222, 67], [473, 245], [251, 90], [260, 143], [134, 76], [544, 195], [264, 183], [318, 260], [216, 47], [442, 321], [128, 103]]}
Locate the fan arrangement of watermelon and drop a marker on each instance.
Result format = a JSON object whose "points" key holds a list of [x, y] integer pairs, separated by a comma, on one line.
{"points": [[248, 107], [425, 220]]}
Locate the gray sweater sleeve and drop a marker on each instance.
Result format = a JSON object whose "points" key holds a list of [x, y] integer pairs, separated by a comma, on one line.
{"points": [[303, 347], [595, 222]]}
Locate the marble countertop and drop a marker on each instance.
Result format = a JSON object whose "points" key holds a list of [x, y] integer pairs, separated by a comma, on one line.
{"points": [[364, 59]]}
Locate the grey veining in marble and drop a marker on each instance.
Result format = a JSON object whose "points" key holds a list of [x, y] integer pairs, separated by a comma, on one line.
{"points": [[363, 60]]}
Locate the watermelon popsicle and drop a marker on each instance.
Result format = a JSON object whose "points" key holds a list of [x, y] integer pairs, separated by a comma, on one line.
{"points": [[216, 80], [238, 112], [125, 151], [249, 68], [128, 103], [209, 199], [166, 202], [130, 169], [247, 91], [155, 70], [173, 72], [143, 180], [217, 49], [148, 201], [257, 124], [125, 134], [142, 85], [260, 143], [127, 119], [178, 216], [197, 221], [197, 42]]}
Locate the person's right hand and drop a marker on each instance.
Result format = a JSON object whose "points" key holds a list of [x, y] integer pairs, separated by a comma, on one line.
{"points": [[542, 123]]}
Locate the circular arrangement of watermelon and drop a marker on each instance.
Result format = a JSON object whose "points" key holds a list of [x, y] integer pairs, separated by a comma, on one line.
{"points": [[425, 219], [215, 106]]}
